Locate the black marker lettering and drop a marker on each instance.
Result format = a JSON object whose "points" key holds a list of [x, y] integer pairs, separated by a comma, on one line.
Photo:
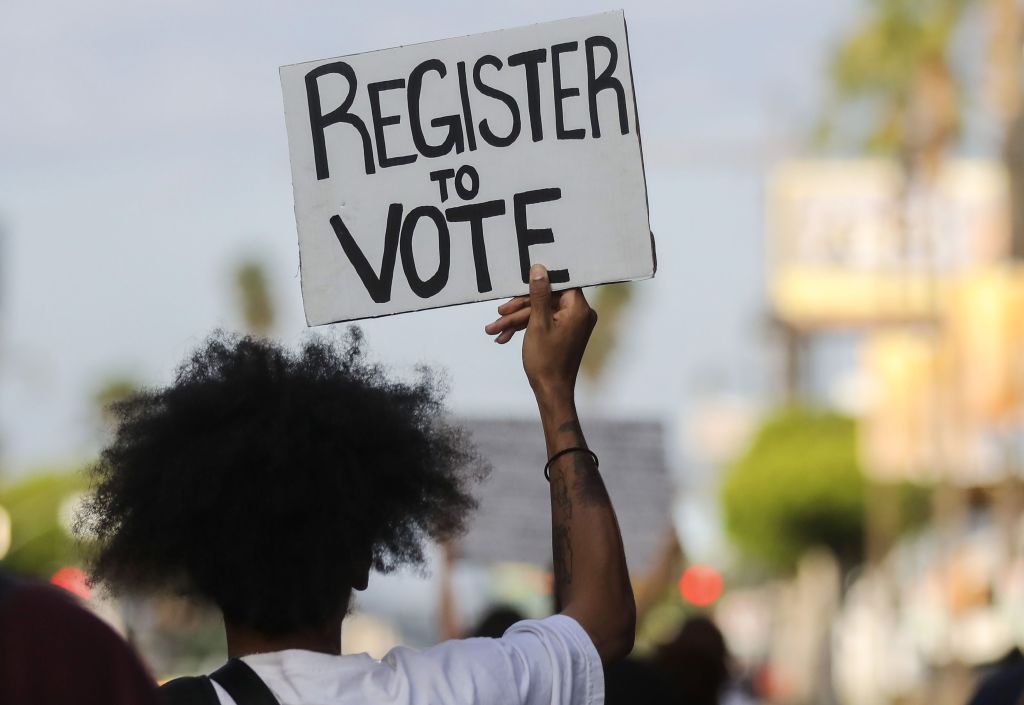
{"points": [[380, 122], [467, 110], [442, 177], [474, 214], [452, 122], [318, 122], [528, 236], [596, 84], [530, 60], [485, 131], [426, 289], [563, 93], [467, 193], [379, 287]]}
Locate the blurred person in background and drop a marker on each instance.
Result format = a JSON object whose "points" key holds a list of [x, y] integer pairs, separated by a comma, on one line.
{"points": [[640, 681], [699, 667], [271, 483], [1003, 684], [494, 621], [54, 651], [696, 660]]}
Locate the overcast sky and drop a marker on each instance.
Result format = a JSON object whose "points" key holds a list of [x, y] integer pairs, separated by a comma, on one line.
{"points": [[143, 152]]}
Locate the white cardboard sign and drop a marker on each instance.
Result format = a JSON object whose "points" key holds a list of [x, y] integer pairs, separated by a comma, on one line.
{"points": [[435, 174]]}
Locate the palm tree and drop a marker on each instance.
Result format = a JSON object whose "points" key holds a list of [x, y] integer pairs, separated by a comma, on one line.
{"points": [[894, 69], [892, 75]]}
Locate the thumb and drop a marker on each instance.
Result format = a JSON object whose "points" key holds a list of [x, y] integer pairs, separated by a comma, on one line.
{"points": [[540, 296]]}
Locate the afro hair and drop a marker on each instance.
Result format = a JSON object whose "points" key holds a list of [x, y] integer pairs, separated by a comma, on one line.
{"points": [[261, 479]]}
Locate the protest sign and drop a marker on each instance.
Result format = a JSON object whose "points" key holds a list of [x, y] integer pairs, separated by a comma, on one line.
{"points": [[436, 174]]}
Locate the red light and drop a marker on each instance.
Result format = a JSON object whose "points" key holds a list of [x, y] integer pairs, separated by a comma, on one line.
{"points": [[73, 580], [701, 585]]}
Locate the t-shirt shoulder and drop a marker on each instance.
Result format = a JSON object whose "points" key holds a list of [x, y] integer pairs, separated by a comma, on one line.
{"points": [[548, 661]]}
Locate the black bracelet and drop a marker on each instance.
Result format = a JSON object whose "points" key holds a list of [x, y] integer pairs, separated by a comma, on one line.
{"points": [[565, 451]]}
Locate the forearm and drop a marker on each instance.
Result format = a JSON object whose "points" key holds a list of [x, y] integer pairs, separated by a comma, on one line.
{"points": [[591, 578]]}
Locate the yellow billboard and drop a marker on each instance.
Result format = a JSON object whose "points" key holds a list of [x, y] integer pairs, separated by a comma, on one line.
{"points": [[850, 242]]}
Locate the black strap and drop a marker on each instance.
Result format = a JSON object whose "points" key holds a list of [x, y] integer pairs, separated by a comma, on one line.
{"points": [[236, 677], [189, 690], [243, 684]]}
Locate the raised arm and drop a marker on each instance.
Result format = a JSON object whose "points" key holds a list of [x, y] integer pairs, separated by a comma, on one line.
{"points": [[591, 579]]}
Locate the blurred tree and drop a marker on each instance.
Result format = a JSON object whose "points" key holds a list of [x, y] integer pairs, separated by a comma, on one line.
{"points": [[611, 301], [892, 73], [800, 485], [41, 509], [894, 67], [254, 297]]}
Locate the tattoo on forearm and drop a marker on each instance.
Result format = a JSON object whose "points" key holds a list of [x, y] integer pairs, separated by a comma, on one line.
{"points": [[560, 495], [571, 426], [588, 486], [562, 553]]}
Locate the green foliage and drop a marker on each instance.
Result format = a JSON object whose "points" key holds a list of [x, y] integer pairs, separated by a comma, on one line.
{"points": [[798, 485], [611, 301], [915, 507], [882, 55], [895, 57], [40, 544]]}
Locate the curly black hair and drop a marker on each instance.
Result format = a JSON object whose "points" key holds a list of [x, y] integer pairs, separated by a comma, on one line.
{"points": [[260, 477]]}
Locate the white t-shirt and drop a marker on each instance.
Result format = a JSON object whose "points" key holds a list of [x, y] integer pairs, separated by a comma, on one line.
{"points": [[537, 662]]}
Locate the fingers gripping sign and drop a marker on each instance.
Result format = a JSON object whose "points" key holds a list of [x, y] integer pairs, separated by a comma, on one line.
{"points": [[514, 314], [558, 326]]}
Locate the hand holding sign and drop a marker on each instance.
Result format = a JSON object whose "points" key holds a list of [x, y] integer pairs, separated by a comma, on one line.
{"points": [[514, 315], [436, 174], [559, 328]]}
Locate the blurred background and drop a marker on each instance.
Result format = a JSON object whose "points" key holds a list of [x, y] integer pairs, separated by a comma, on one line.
{"points": [[811, 421]]}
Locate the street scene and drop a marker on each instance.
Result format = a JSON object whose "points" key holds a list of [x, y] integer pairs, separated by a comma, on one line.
{"points": [[474, 353]]}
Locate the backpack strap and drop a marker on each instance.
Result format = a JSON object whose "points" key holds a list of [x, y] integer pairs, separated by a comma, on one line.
{"points": [[189, 690], [236, 677], [243, 684]]}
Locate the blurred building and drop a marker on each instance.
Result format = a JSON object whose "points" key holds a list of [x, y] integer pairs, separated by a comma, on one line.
{"points": [[513, 522], [851, 243], [920, 272]]}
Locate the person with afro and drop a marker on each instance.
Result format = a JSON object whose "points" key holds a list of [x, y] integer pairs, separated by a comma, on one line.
{"points": [[271, 483]]}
